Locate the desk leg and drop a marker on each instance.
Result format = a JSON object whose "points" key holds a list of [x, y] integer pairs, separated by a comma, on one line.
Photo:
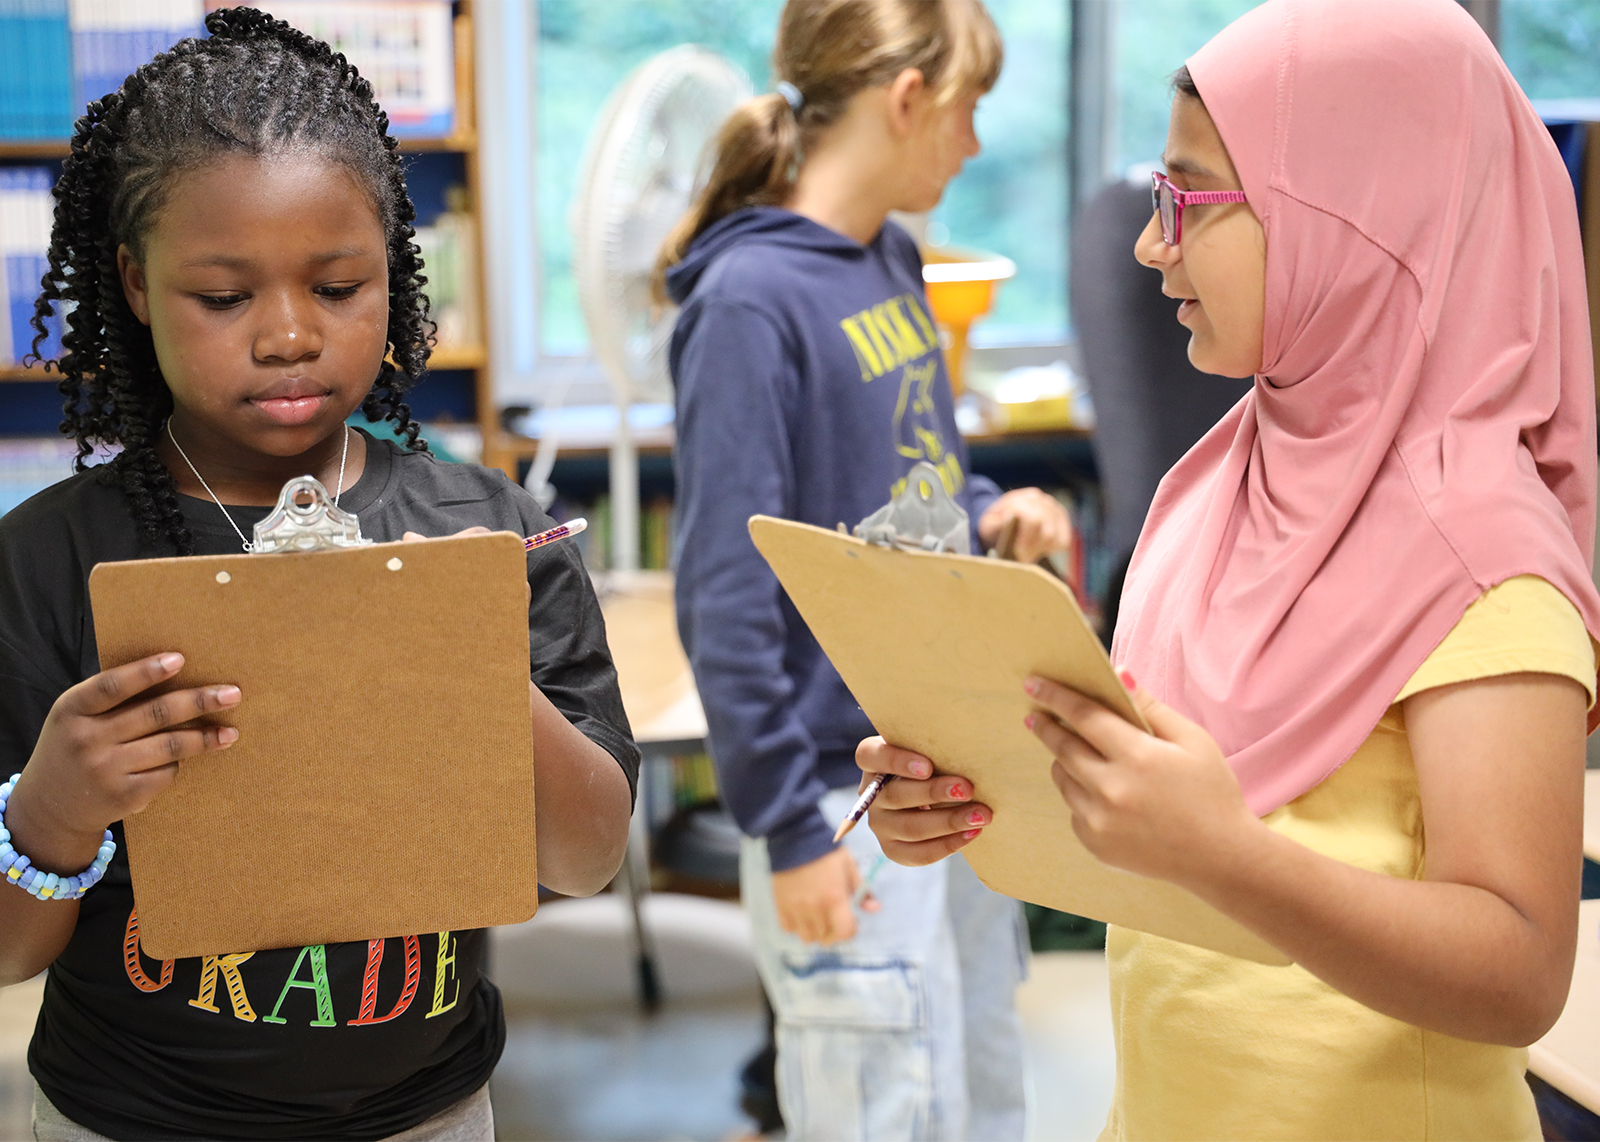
{"points": [[636, 868]]}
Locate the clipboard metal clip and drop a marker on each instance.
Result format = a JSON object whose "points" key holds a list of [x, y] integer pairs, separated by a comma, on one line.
{"points": [[923, 517], [316, 525]]}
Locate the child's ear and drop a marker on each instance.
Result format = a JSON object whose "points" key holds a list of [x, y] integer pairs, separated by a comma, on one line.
{"points": [[908, 92], [133, 284]]}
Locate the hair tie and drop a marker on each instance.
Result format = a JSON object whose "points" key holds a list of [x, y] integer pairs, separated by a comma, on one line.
{"points": [[791, 96]]}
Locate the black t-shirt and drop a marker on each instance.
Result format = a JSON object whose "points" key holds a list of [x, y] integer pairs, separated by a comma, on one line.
{"points": [[357, 1040]]}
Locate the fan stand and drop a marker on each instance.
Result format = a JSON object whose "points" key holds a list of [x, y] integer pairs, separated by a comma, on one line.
{"points": [[624, 491], [625, 557]]}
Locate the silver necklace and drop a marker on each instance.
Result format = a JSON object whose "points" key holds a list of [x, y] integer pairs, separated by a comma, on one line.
{"points": [[344, 454]]}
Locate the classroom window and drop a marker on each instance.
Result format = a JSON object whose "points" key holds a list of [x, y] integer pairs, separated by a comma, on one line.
{"points": [[1552, 47], [1153, 39], [585, 50], [1011, 199]]}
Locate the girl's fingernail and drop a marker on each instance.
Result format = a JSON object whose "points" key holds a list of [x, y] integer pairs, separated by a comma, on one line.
{"points": [[975, 818], [970, 833], [921, 769], [228, 695], [1028, 721], [1031, 686], [1128, 680], [959, 793], [171, 662], [227, 735]]}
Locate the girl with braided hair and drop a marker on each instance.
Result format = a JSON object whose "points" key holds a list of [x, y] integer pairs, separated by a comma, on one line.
{"points": [[233, 251]]}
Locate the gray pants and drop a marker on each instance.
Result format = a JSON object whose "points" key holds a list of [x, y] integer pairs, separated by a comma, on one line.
{"points": [[470, 1120]]}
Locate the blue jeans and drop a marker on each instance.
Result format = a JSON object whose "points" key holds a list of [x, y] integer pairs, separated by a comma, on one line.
{"points": [[909, 1031]]}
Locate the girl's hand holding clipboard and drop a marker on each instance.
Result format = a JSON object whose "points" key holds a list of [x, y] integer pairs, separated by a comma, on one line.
{"points": [[1154, 804], [106, 750], [1147, 803]]}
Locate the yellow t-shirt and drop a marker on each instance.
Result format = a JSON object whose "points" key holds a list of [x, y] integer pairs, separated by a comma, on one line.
{"points": [[1209, 1046]]}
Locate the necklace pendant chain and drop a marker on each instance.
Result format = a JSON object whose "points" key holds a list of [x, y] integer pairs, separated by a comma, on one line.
{"points": [[249, 548]]}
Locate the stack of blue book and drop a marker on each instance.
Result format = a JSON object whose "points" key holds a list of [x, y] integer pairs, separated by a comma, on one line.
{"points": [[25, 211], [112, 38], [36, 89], [56, 56]]}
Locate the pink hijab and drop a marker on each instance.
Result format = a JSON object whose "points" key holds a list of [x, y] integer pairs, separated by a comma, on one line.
{"points": [[1423, 427]]}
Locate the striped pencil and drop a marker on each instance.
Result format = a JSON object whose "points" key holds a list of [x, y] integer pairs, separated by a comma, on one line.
{"points": [[863, 803], [571, 527]]}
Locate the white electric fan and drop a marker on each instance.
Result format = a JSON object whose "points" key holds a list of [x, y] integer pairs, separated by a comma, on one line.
{"points": [[640, 170]]}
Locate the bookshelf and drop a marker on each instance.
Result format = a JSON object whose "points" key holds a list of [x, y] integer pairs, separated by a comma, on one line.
{"points": [[29, 150], [444, 173], [20, 373]]}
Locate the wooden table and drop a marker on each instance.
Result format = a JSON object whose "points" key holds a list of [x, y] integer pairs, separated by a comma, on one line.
{"points": [[657, 687]]}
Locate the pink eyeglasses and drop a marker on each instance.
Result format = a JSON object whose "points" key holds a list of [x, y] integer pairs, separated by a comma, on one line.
{"points": [[1168, 202]]}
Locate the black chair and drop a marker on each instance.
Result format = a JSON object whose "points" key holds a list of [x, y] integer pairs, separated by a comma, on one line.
{"points": [[1150, 403]]}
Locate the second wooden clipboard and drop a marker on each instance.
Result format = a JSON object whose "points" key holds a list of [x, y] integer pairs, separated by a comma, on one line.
{"points": [[382, 783], [935, 648]]}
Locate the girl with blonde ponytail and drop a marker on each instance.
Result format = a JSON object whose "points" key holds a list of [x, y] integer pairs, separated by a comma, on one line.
{"points": [[809, 380], [828, 51]]}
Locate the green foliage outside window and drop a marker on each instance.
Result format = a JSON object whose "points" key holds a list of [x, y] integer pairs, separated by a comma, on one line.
{"points": [[1153, 39], [1552, 46], [585, 49], [1012, 198]]}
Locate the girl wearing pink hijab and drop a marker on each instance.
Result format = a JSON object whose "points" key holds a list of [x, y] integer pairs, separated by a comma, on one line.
{"points": [[1361, 609]]}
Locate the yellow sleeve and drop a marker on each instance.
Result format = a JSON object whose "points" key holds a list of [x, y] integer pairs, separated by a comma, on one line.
{"points": [[1523, 625]]}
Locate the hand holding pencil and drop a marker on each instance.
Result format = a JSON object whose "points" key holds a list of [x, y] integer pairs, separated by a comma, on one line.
{"points": [[918, 818], [863, 803]]}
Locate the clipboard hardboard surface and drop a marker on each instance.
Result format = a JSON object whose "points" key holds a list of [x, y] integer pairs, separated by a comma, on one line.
{"points": [[935, 648], [382, 781]]}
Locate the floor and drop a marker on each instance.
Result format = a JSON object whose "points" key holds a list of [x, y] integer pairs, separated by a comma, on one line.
{"points": [[1066, 1016], [18, 1006], [583, 1061]]}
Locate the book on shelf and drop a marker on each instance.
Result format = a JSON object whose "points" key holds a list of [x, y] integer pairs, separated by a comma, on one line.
{"points": [[594, 544], [404, 48], [57, 56], [25, 208], [655, 535], [112, 38], [37, 99], [694, 780], [449, 248]]}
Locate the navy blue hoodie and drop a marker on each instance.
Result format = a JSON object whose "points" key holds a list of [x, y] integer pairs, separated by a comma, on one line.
{"points": [[809, 380]]}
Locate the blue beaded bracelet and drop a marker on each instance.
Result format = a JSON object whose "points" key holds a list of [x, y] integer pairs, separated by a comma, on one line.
{"points": [[18, 870]]}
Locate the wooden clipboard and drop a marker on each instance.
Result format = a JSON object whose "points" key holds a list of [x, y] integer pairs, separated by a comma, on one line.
{"points": [[382, 782], [935, 648]]}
